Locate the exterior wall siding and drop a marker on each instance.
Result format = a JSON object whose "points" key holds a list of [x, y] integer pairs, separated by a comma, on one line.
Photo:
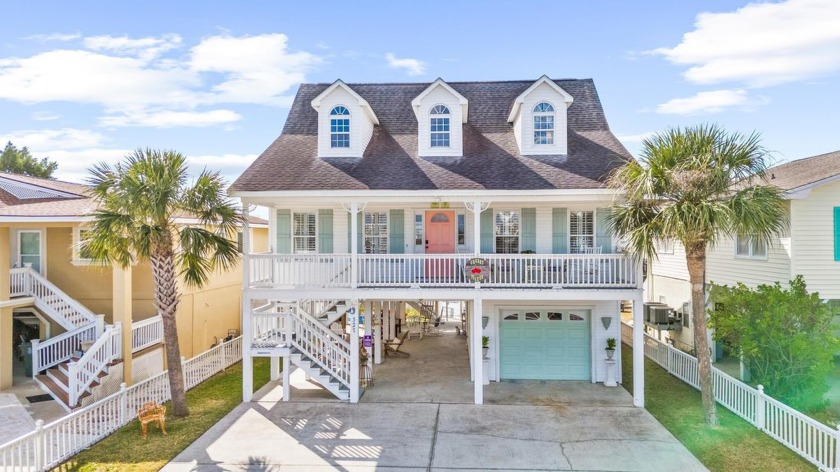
{"points": [[724, 268], [812, 235]]}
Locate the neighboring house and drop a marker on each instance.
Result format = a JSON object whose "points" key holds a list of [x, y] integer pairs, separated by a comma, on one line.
{"points": [[809, 247], [56, 295], [383, 195]]}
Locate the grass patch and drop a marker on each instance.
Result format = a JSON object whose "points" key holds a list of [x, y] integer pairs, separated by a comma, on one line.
{"points": [[734, 445], [125, 450]]}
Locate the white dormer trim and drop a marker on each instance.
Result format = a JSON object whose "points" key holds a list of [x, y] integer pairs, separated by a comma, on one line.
{"points": [[316, 102], [361, 117], [520, 100], [418, 100]]}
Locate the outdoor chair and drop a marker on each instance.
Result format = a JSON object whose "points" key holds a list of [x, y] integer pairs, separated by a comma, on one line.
{"points": [[393, 346], [152, 412]]}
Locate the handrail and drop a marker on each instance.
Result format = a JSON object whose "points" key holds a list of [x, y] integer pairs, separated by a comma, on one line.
{"points": [[83, 372], [146, 333], [58, 349], [327, 349], [51, 299]]}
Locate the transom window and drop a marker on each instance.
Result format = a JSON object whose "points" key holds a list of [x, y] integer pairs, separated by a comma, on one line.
{"points": [[581, 231], [555, 316], [439, 126], [340, 127], [750, 246], [507, 232], [532, 316], [462, 233], [376, 232], [418, 229], [303, 236], [543, 123]]}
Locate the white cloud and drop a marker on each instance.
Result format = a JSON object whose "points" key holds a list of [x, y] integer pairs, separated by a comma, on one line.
{"points": [[635, 138], [61, 37], [411, 66], [710, 102], [138, 75], [167, 119], [54, 139], [761, 44], [45, 116]]}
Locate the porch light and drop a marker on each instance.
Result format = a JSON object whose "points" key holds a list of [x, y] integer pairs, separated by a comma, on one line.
{"points": [[606, 321], [484, 321]]}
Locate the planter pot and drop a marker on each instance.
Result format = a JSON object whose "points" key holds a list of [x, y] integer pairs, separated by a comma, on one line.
{"points": [[610, 353], [484, 352]]}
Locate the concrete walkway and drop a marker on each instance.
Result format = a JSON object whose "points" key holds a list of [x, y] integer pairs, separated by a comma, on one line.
{"points": [[419, 416]]}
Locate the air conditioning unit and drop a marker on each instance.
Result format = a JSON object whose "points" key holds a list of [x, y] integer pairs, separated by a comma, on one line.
{"points": [[648, 314], [660, 314]]}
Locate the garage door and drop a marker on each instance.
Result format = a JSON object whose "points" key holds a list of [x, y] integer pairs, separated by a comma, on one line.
{"points": [[547, 345]]}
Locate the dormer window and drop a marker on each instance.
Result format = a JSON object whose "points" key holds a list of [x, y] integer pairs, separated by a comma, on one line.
{"points": [[340, 127], [439, 126], [543, 123]]}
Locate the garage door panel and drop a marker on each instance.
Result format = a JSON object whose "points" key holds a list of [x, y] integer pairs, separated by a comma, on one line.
{"points": [[543, 349]]}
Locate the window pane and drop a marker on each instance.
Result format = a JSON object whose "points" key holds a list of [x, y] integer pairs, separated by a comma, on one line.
{"points": [[574, 317], [742, 246], [581, 231], [376, 233], [532, 316], [30, 243], [555, 316], [462, 229], [759, 248], [418, 230], [84, 252], [512, 317]]}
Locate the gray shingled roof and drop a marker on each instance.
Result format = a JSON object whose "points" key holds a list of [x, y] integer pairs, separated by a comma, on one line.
{"points": [[491, 157], [804, 171]]}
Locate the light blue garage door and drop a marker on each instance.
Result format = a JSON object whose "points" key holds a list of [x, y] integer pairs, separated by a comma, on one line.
{"points": [[546, 345]]}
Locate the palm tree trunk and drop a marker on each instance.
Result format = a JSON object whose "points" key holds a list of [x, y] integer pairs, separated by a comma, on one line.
{"points": [[696, 259], [166, 302]]}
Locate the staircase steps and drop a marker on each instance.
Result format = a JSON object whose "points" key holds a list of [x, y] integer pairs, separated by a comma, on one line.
{"points": [[334, 313], [55, 382], [327, 380]]}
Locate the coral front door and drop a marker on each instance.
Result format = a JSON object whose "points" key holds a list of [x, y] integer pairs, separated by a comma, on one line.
{"points": [[440, 239]]}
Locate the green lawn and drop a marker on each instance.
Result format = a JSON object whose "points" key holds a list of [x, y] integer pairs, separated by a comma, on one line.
{"points": [[735, 445], [125, 450]]}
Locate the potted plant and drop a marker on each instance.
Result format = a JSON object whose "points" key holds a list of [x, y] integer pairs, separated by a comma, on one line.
{"points": [[485, 345], [610, 348]]}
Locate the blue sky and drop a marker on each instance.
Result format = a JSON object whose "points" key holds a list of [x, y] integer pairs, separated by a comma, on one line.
{"points": [[88, 81]]}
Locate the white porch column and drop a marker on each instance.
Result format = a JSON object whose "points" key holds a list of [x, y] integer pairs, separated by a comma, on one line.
{"points": [[377, 332], [274, 371], [287, 387], [246, 246], [638, 353], [475, 344], [476, 209], [392, 320], [247, 360], [353, 319], [354, 245]]}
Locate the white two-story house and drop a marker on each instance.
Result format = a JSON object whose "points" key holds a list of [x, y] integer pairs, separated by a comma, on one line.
{"points": [[488, 193], [809, 247]]}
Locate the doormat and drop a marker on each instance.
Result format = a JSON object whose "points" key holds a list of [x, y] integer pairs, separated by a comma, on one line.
{"points": [[39, 398]]}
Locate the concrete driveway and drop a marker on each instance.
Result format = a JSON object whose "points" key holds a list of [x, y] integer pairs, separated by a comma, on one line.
{"points": [[320, 435]]}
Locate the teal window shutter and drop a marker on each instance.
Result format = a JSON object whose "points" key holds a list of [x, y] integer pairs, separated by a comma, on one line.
{"points": [[559, 231], [396, 230], [284, 232], [529, 230], [325, 231], [837, 233], [487, 229], [603, 235]]}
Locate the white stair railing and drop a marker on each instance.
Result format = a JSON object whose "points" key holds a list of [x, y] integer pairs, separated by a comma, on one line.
{"points": [[146, 333], [58, 349], [326, 348], [86, 370], [64, 309]]}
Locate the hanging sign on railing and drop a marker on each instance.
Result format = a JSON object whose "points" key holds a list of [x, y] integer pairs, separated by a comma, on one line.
{"points": [[477, 269]]}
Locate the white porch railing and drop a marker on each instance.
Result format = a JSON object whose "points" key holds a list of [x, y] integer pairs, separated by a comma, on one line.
{"points": [[443, 270], [814, 441], [146, 333], [52, 444], [83, 372], [268, 329], [64, 309], [53, 351], [320, 344]]}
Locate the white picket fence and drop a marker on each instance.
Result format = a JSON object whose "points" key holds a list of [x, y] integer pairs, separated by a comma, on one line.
{"points": [[814, 441], [52, 444]]}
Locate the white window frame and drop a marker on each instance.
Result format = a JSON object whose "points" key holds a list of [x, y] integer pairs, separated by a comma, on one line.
{"points": [[387, 235], [572, 236], [448, 132], [497, 235], [42, 249], [348, 117], [538, 114], [77, 259], [314, 236], [751, 245], [459, 216], [664, 246]]}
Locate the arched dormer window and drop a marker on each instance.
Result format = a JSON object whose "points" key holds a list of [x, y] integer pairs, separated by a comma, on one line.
{"points": [[340, 127], [543, 123], [439, 123]]}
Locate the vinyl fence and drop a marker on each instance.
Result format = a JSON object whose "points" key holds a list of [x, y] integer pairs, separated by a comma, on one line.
{"points": [[54, 443], [812, 440]]}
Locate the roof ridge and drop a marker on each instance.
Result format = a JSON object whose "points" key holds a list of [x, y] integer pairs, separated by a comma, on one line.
{"points": [[796, 161], [11, 176], [448, 82]]}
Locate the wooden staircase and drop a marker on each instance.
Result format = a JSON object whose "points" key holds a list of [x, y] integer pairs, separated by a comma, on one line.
{"points": [[56, 382], [327, 380]]}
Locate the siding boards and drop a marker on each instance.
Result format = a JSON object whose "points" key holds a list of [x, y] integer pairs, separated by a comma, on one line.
{"points": [[813, 240]]}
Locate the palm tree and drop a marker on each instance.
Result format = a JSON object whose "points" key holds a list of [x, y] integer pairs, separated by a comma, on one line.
{"points": [[139, 201], [697, 185]]}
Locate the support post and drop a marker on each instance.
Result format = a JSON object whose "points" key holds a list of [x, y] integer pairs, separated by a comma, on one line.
{"points": [[353, 319], [354, 245], [377, 344], [122, 313], [275, 368], [392, 320], [6, 324], [476, 209], [246, 246], [477, 364], [638, 353], [287, 386], [247, 339]]}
